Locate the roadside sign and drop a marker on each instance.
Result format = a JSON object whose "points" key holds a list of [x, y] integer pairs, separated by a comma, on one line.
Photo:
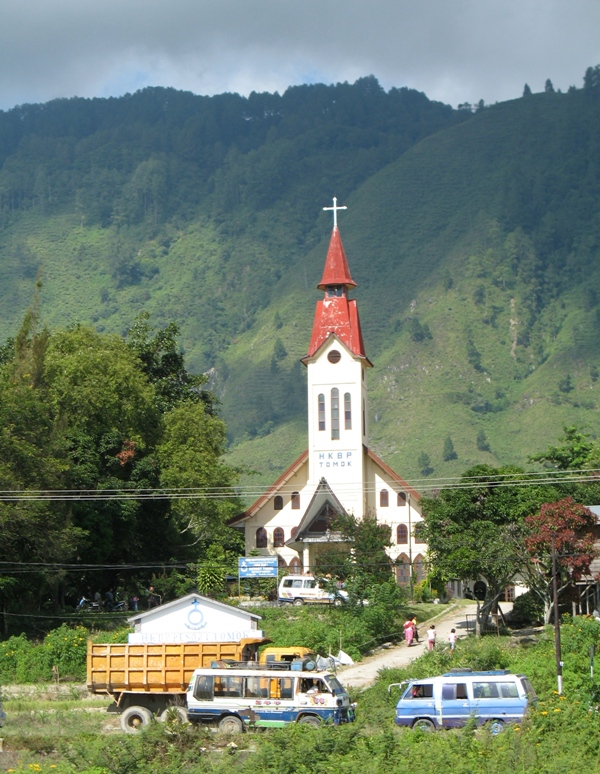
{"points": [[257, 566]]}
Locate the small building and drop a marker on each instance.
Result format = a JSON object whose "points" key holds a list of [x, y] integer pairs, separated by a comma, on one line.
{"points": [[193, 618]]}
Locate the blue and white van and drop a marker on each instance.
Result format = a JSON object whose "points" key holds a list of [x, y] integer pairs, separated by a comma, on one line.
{"points": [[235, 698], [449, 700]]}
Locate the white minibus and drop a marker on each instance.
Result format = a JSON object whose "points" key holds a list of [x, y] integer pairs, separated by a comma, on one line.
{"points": [[236, 698]]}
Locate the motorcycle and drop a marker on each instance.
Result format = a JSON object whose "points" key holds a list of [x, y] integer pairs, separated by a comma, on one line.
{"points": [[87, 605]]}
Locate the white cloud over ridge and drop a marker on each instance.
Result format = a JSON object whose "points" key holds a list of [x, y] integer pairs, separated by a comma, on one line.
{"points": [[453, 50]]}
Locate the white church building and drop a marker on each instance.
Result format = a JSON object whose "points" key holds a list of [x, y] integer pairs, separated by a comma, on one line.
{"points": [[338, 473]]}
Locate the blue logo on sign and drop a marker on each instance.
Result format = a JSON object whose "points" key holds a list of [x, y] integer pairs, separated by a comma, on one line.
{"points": [[195, 617]]}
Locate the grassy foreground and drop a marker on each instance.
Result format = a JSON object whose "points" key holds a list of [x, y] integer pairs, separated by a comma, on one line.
{"points": [[560, 734]]}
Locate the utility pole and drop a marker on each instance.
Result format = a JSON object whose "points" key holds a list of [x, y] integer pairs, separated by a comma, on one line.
{"points": [[559, 663]]}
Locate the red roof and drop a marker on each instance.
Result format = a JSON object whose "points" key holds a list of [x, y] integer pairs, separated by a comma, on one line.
{"points": [[336, 270], [337, 316]]}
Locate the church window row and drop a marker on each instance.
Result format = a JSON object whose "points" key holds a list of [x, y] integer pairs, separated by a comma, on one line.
{"points": [[403, 569], [335, 412], [384, 499], [295, 500], [402, 534], [262, 537]]}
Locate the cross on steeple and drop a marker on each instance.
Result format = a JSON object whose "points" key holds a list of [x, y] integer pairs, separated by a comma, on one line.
{"points": [[335, 208]]}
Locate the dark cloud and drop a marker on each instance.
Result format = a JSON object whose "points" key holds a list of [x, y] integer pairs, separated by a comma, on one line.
{"points": [[453, 50]]}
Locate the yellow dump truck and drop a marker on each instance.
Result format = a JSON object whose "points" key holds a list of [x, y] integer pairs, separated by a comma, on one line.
{"points": [[147, 680]]}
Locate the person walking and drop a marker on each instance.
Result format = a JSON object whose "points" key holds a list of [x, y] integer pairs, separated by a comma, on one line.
{"points": [[431, 635], [409, 631], [415, 630], [452, 639]]}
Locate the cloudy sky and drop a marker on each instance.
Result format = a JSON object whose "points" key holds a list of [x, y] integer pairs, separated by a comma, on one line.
{"points": [[453, 50]]}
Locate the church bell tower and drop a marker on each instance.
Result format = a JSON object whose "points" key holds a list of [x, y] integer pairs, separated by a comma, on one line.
{"points": [[337, 383]]}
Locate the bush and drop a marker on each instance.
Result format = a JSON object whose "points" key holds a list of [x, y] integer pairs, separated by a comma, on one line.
{"points": [[527, 609]]}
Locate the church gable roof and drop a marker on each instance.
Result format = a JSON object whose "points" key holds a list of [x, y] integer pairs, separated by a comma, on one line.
{"points": [[273, 489], [314, 525]]}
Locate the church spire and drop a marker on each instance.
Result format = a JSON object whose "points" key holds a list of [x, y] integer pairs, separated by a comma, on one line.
{"points": [[336, 314]]}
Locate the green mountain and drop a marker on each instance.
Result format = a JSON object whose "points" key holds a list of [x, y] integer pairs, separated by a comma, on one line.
{"points": [[474, 239]]}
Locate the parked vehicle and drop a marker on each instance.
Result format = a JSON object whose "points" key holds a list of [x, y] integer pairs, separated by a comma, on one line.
{"points": [[147, 680], [251, 696], [86, 605], [449, 700], [299, 589], [273, 655]]}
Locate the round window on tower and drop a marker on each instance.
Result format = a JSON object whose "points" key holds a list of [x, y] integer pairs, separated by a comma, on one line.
{"points": [[334, 356]]}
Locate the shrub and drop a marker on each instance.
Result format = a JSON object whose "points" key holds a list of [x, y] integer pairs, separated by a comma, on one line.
{"points": [[527, 609]]}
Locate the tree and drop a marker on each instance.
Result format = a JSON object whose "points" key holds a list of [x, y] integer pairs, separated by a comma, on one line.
{"points": [[473, 530], [548, 87], [576, 452], [526, 91], [482, 441], [360, 560], [424, 464], [567, 527], [190, 455], [449, 451]]}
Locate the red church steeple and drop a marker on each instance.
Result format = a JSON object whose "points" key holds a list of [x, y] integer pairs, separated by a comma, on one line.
{"points": [[336, 314]]}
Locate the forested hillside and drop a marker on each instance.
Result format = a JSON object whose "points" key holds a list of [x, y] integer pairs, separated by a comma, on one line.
{"points": [[474, 239]]}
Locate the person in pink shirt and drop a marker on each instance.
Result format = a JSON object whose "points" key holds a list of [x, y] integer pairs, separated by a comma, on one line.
{"points": [[409, 631]]}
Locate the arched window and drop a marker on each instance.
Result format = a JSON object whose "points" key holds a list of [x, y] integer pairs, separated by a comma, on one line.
{"points": [[418, 532], [281, 563], [294, 532], [296, 501], [335, 414], [384, 499], [296, 566], [401, 499], [419, 568], [321, 411], [278, 502], [278, 537], [261, 538], [401, 534], [403, 570], [347, 411]]}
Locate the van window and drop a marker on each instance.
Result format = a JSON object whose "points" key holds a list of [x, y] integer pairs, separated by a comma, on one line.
{"points": [[257, 687], [509, 691], [310, 584], [453, 691], [485, 690], [282, 688], [423, 691], [230, 687], [203, 690], [292, 583]]}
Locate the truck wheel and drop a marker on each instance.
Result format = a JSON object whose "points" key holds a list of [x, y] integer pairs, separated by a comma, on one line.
{"points": [[424, 724], [174, 713], [310, 720], [231, 724], [298, 602], [496, 727], [133, 719]]}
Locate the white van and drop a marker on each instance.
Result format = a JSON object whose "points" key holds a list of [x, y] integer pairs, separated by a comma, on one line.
{"points": [[299, 589], [449, 700]]}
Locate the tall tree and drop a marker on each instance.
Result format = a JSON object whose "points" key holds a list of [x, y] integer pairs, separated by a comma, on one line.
{"points": [[472, 529], [568, 527]]}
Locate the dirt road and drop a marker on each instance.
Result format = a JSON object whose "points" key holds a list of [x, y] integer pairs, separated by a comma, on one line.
{"points": [[364, 674]]}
